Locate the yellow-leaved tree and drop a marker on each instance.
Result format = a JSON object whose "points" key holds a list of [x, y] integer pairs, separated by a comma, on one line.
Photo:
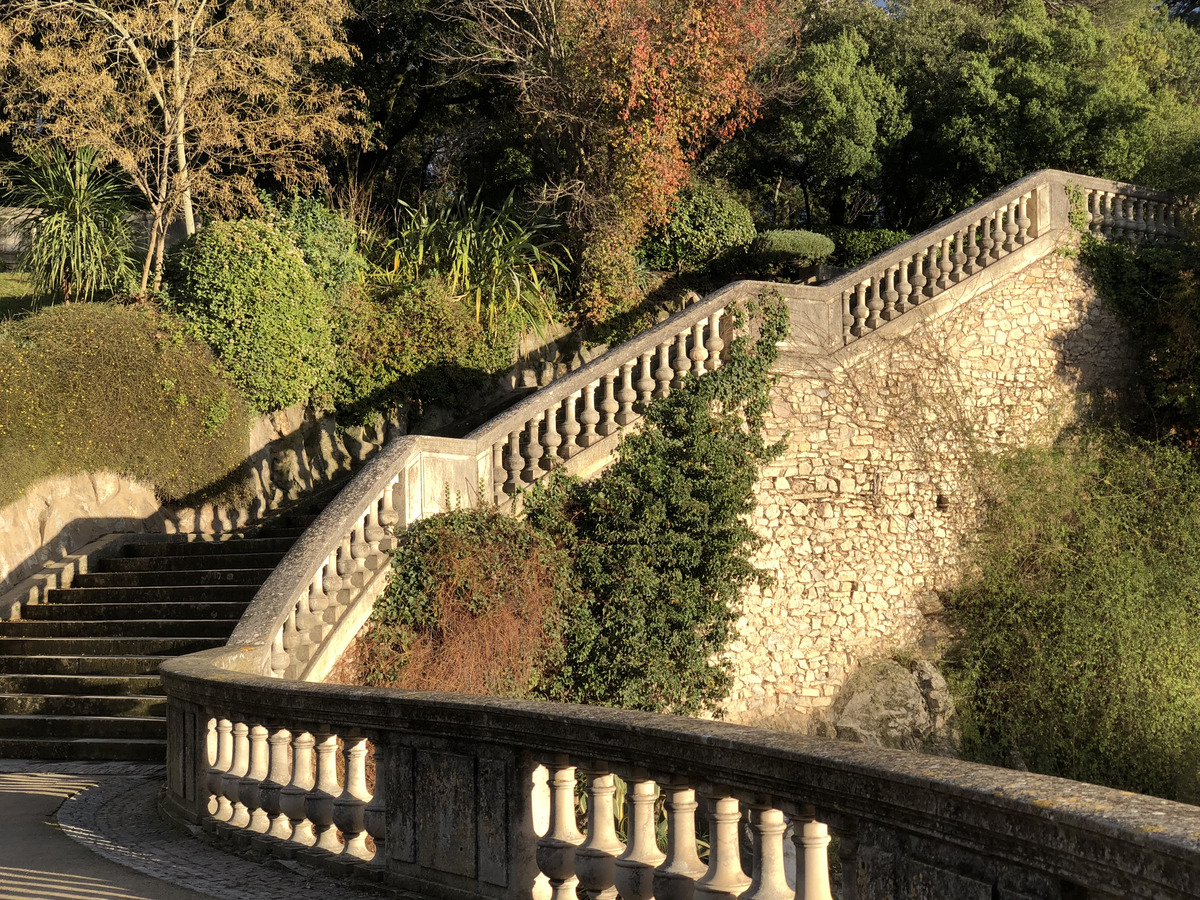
{"points": [[192, 99]]}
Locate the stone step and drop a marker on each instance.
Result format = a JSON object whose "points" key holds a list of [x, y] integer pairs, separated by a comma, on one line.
{"points": [[84, 705], [132, 750], [223, 593], [151, 626], [99, 685], [169, 578], [98, 647], [76, 727], [210, 548], [178, 611], [189, 563], [112, 666]]}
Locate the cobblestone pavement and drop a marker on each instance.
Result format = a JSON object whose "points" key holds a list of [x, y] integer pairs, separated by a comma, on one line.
{"points": [[111, 811]]}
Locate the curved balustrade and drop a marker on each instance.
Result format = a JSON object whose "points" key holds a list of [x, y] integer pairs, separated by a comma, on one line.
{"points": [[476, 797], [472, 796]]}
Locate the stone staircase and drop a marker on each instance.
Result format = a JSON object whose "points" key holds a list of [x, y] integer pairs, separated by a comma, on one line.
{"points": [[79, 673]]}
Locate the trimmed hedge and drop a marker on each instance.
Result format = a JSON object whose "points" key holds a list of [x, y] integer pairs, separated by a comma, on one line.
{"points": [[855, 246], [245, 290], [97, 386], [794, 246]]}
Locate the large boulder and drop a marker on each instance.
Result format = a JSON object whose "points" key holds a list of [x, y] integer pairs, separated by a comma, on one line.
{"points": [[887, 704]]}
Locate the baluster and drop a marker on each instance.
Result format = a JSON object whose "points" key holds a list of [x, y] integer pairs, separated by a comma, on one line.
{"points": [[986, 243], [903, 289], [1117, 202], [1153, 218], [232, 810], [1023, 221], [714, 345], [971, 251], [812, 854], [350, 807], [634, 870], [958, 258], [1093, 207], [318, 602], [346, 566], [664, 373], [933, 272], [533, 451], [1010, 229], [769, 878], [698, 354], [373, 531], [360, 548], [513, 463], [860, 311], [375, 815], [848, 334], [318, 805], [889, 295], [1107, 199], [290, 639], [249, 788], [278, 776], [918, 278], [280, 659], [499, 472], [551, 439], [388, 515], [589, 417], [874, 305], [724, 879], [626, 395], [292, 798], [682, 363], [945, 266], [596, 856], [305, 623], [1139, 219], [675, 879], [556, 851], [645, 383], [570, 427], [224, 757], [609, 407], [332, 582]]}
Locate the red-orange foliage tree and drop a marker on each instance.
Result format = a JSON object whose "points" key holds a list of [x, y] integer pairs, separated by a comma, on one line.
{"points": [[623, 94]]}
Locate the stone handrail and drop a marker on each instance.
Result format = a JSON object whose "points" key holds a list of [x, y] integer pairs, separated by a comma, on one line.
{"points": [[475, 797]]}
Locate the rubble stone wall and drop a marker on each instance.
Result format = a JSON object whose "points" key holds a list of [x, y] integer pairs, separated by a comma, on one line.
{"points": [[865, 513]]}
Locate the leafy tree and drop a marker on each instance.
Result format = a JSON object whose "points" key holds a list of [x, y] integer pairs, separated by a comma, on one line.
{"points": [[192, 99], [621, 97]]}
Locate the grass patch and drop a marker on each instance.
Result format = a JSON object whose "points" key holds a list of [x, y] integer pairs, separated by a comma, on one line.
{"points": [[97, 386], [16, 295]]}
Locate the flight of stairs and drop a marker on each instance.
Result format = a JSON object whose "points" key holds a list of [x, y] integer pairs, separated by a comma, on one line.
{"points": [[78, 673]]}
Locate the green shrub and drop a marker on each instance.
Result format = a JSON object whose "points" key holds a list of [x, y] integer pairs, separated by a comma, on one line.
{"points": [[81, 238], [1081, 624], [855, 246], [328, 240], [245, 289], [803, 248], [705, 222], [97, 386], [401, 345], [661, 544], [473, 606]]}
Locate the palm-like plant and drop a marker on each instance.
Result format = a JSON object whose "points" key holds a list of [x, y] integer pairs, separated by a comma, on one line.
{"points": [[78, 211]]}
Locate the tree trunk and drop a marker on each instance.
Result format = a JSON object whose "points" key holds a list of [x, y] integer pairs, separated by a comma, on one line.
{"points": [[150, 248]]}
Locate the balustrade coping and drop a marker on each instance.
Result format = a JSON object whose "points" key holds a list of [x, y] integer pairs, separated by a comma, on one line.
{"points": [[1081, 832]]}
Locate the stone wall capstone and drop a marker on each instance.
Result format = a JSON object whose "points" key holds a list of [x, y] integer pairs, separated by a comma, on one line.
{"points": [[865, 513]]}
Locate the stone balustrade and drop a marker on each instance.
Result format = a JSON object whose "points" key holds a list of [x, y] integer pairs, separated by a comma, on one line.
{"points": [[477, 797]]}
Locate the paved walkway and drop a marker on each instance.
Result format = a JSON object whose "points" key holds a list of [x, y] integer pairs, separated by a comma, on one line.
{"points": [[106, 841]]}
